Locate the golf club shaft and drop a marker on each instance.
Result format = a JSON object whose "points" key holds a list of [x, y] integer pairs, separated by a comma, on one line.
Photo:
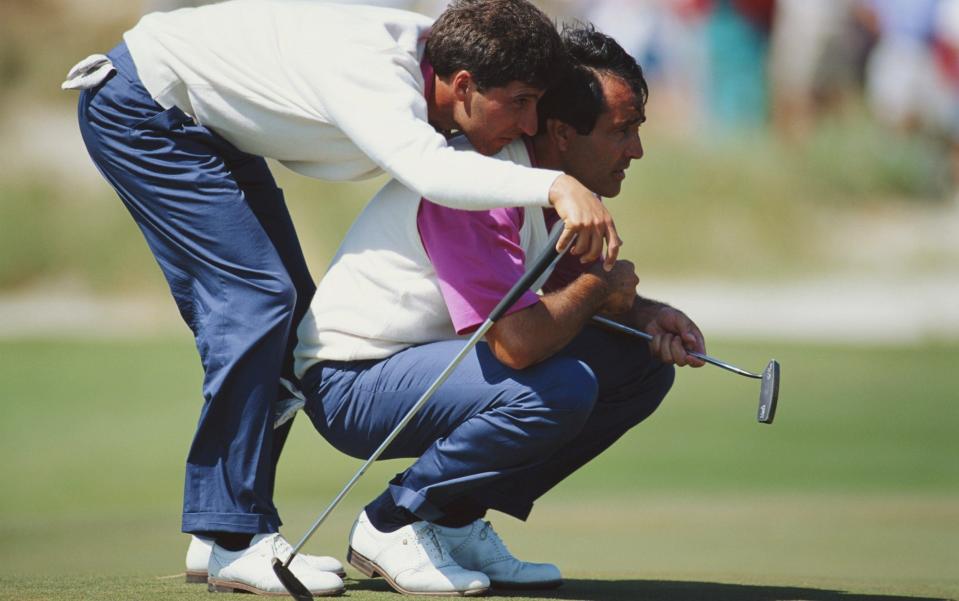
{"points": [[548, 257], [615, 325], [392, 435]]}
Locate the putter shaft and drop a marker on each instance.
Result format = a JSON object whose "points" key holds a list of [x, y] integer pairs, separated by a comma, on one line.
{"points": [[615, 325]]}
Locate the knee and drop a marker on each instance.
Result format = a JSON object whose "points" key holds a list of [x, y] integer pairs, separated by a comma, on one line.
{"points": [[275, 298], [286, 295]]}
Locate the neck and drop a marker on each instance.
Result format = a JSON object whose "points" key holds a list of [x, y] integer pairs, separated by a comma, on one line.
{"points": [[440, 105], [547, 156]]}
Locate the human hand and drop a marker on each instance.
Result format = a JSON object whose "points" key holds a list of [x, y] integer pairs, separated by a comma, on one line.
{"points": [[586, 218], [621, 282], [674, 334]]}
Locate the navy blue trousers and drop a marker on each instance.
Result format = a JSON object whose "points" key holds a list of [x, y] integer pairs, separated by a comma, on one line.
{"points": [[491, 437], [221, 233]]}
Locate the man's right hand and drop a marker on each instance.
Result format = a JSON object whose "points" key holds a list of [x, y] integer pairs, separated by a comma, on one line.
{"points": [[586, 218], [621, 282]]}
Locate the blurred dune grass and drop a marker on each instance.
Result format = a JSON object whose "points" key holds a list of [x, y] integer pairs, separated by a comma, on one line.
{"points": [[750, 207], [699, 204]]}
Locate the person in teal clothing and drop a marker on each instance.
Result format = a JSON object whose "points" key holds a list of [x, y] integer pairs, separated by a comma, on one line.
{"points": [[737, 33]]}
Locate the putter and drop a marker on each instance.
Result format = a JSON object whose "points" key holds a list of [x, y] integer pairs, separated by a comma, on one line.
{"points": [[548, 258], [768, 389]]}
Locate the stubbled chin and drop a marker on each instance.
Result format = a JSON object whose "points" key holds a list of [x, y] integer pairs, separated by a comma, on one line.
{"points": [[612, 190], [495, 147]]}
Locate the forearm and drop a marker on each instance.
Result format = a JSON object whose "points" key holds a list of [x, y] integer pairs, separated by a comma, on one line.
{"points": [[529, 336], [397, 136]]}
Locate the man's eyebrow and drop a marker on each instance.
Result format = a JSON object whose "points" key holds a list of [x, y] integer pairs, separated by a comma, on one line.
{"points": [[637, 120]]}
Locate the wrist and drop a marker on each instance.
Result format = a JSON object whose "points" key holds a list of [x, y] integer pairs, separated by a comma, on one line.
{"points": [[560, 188], [646, 311], [595, 289]]}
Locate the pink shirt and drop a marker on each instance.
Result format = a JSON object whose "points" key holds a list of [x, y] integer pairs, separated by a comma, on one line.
{"points": [[478, 257]]}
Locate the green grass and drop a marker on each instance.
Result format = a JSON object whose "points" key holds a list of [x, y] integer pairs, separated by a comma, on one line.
{"points": [[593, 589], [852, 494]]}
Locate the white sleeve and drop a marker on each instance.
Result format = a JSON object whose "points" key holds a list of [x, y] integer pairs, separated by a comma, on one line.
{"points": [[377, 101]]}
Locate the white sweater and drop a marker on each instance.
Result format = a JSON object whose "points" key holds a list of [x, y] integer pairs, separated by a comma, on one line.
{"points": [[381, 293], [331, 91]]}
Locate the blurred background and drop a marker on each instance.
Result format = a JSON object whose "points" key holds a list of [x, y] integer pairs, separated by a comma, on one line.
{"points": [[799, 198], [809, 148]]}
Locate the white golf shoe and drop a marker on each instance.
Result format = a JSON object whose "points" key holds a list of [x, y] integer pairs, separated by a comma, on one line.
{"points": [[478, 547], [198, 557], [251, 570], [413, 560]]}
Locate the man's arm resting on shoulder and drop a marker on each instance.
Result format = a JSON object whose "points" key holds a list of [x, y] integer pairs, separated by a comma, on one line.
{"points": [[397, 136]]}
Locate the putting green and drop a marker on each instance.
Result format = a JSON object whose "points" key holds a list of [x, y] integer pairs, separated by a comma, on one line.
{"points": [[853, 494]]}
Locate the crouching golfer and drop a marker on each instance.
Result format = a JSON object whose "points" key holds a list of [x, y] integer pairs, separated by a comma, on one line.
{"points": [[539, 399], [178, 119]]}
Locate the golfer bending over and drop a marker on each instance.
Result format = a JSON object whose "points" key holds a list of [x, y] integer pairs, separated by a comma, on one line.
{"points": [[178, 119], [539, 399]]}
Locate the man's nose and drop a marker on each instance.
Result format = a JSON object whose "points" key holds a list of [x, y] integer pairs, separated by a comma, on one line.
{"points": [[528, 120], [635, 149]]}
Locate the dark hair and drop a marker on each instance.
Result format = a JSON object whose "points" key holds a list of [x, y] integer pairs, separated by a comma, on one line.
{"points": [[578, 98], [497, 41]]}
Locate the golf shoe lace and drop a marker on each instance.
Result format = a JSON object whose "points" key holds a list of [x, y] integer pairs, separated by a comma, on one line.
{"points": [[431, 544], [281, 548], [487, 533]]}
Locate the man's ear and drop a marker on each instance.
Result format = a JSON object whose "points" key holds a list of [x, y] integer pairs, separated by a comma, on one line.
{"points": [[559, 133], [462, 83]]}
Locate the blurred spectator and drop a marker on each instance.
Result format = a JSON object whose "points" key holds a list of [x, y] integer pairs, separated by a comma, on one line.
{"points": [[816, 55], [912, 78], [901, 77], [703, 57], [946, 47], [738, 38], [667, 39]]}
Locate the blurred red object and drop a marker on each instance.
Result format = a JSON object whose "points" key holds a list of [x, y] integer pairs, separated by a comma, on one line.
{"points": [[947, 61]]}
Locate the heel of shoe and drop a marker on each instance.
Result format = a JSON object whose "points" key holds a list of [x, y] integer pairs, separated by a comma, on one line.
{"points": [[364, 565], [219, 588], [193, 577], [216, 586]]}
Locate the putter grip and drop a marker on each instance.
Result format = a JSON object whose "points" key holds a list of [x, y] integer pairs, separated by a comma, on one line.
{"points": [[532, 274]]}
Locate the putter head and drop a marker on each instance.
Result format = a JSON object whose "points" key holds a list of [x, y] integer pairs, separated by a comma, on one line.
{"points": [[769, 393], [290, 582]]}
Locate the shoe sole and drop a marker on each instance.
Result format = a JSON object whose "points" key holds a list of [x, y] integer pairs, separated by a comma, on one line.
{"points": [[215, 585], [198, 577], [369, 569]]}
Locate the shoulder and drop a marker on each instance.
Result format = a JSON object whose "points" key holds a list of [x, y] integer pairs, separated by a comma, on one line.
{"points": [[504, 220], [514, 152]]}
